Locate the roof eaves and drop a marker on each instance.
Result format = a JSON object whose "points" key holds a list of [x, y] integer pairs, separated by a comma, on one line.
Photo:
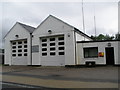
{"points": [[83, 34], [61, 21], [10, 30], [98, 41]]}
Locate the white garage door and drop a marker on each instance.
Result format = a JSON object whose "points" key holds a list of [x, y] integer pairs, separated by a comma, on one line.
{"points": [[53, 51], [19, 52]]}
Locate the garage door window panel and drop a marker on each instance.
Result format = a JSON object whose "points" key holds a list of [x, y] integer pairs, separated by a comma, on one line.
{"points": [[44, 44], [61, 38], [44, 49], [25, 50], [19, 46], [44, 54], [61, 53], [20, 50], [52, 49], [19, 42], [25, 42], [61, 43], [52, 39], [14, 55], [44, 40], [25, 54], [13, 47], [52, 44], [25, 46], [61, 48], [52, 53], [19, 54], [13, 51], [14, 43]]}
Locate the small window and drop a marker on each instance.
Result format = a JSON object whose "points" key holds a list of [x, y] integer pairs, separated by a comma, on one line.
{"points": [[61, 38], [25, 46], [44, 54], [25, 41], [19, 54], [52, 53], [52, 44], [61, 48], [19, 42], [44, 40], [52, 49], [44, 49], [13, 50], [14, 43], [90, 52], [13, 55], [25, 50], [61, 43], [61, 53], [19, 46], [25, 54], [20, 50], [14, 47], [52, 39], [44, 44]]}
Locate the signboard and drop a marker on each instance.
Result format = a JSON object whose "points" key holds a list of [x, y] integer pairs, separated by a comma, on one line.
{"points": [[35, 48]]}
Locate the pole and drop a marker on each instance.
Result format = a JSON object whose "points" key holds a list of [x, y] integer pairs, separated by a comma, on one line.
{"points": [[94, 20], [83, 19]]}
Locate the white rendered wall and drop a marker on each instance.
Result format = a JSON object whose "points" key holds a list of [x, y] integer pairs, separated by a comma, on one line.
{"points": [[81, 38], [23, 34], [119, 52], [58, 28], [101, 48]]}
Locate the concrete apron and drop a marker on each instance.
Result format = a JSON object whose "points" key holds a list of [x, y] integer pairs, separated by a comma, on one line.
{"points": [[57, 83]]}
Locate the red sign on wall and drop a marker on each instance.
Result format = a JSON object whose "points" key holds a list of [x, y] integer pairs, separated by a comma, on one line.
{"points": [[101, 54]]}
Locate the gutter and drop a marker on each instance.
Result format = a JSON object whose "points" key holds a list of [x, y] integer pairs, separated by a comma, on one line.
{"points": [[75, 48], [31, 48]]}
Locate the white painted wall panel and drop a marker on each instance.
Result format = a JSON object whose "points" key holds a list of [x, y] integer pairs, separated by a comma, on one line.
{"points": [[70, 49], [81, 38], [23, 34], [119, 52], [58, 28], [101, 48], [35, 59]]}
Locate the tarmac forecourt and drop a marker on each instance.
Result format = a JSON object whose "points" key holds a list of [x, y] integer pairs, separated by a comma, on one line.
{"points": [[59, 77], [57, 83]]}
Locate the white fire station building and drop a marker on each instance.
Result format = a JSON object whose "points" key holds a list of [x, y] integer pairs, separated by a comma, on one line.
{"points": [[55, 43]]}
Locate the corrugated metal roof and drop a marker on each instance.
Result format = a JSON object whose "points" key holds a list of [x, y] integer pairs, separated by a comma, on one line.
{"points": [[27, 27]]}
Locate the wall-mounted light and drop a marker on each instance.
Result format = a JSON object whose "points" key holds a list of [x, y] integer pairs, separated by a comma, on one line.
{"points": [[17, 36], [109, 44], [49, 31]]}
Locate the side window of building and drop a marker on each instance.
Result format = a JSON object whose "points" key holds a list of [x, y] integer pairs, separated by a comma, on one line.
{"points": [[90, 52]]}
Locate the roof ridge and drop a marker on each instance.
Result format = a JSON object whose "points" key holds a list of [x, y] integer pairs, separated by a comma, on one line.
{"points": [[25, 24], [29, 28]]}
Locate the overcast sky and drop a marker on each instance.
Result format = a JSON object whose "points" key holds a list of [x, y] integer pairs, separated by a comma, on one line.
{"points": [[33, 13]]}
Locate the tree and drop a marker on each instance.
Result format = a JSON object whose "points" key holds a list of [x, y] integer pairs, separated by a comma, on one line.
{"points": [[102, 37], [117, 36], [107, 37]]}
